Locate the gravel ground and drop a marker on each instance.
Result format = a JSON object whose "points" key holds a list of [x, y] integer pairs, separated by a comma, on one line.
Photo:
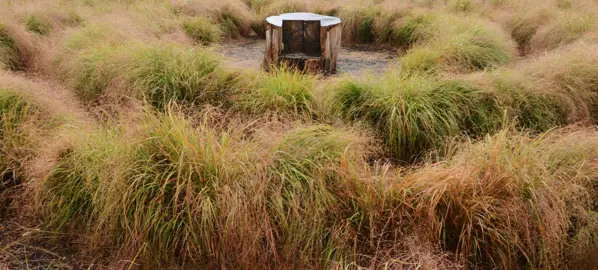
{"points": [[249, 53]]}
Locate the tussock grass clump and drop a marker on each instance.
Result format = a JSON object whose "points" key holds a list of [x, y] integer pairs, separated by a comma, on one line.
{"points": [[169, 73], [234, 16], [258, 6], [21, 122], [182, 189], [375, 21], [235, 19], [415, 113], [460, 5], [280, 7], [462, 44], [569, 76], [311, 193], [283, 90], [15, 111], [414, 29], [159, 73], [563, 30], [9, 53], [90, 35], [358, 23], [202, 30], [73, 18], [524, 25], [511, 201], [90, 71], [531, 110], [38, 24], [164, 195], [15, 48]]}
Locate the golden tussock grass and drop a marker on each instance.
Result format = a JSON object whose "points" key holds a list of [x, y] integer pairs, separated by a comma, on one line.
{"points": [[122, 126]]}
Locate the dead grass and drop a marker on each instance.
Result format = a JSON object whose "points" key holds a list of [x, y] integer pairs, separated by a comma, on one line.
{"points": [[474, 204]]}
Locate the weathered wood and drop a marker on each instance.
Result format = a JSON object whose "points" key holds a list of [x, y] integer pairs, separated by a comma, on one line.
{"points": [[307, 41], [311, 38], [292, 36], [335, 41]]}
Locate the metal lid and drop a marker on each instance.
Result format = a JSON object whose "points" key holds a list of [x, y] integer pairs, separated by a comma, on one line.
{"points": [[303, 16]]}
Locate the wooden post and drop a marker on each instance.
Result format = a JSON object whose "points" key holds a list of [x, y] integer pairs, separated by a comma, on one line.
{"points": [[307, 41]]}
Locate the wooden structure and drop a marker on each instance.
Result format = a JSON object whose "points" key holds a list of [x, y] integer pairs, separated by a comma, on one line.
{"points": [[308, 41]]}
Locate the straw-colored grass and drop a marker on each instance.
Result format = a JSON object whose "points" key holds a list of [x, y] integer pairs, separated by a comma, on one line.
{"points": [[177, 187], [283, 90], [38, 24], [563, 30], [15, 113], [9, 53], [23, 120], [202, 30], [416, 113], [512, 201], [158, 73], [129, 140], [15, 48], [461, 44]]}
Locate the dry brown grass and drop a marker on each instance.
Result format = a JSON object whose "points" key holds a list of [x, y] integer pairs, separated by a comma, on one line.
{"points": [[479, 202]]}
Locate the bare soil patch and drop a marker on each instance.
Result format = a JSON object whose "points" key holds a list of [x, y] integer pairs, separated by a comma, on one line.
{"points": [[249, 53]]}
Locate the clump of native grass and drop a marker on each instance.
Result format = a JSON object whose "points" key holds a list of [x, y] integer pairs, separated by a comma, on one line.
{"points": [[461, 44], [413, 29], [22, 120], [234, 16], [283, 90], [155, 189], [38, 24], [513, 201], [159, 72], [547, 91], [203, 30], [523, 25], [416, 113], [358, 23], [313, 193], [565, 28], [15, 48], [9, 52], [171, 187]]}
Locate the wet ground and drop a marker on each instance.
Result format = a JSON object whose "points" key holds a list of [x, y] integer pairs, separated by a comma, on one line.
{"points": [[249, 53]]}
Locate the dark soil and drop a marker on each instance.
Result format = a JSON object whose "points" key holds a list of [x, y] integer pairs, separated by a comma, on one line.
{"points": [[249, 53]]}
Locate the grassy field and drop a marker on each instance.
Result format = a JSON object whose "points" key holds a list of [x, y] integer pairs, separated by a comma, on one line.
{"points": [[129, 141]]}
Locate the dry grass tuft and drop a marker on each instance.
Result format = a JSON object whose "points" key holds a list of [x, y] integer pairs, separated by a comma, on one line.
{"points": [[16, 48], [510, 199]]}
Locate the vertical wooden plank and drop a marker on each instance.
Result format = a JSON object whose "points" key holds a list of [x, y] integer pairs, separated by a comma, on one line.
{"points": [[324, 53], [311, 38], [329, 49], [335, 43], [268, 54], [276, 44], [279, 44], [292, 36]]}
